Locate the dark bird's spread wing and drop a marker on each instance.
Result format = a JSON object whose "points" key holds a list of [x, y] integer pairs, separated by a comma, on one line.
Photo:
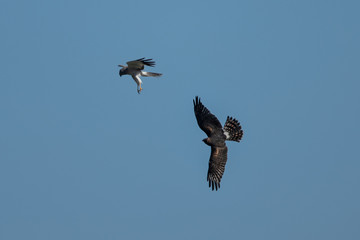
{"points": [[140, 63], [206, 120], [217, 163]]}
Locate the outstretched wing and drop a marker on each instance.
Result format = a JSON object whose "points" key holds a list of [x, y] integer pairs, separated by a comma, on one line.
{"points": [[206, 120], [217, 163], [140, 63]]}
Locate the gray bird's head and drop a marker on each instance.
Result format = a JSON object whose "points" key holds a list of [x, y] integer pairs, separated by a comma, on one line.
{"points": [[123, 70]]}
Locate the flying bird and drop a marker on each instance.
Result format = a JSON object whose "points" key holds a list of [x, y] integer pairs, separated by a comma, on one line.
{"points": [[217, 135], [134, 68]]}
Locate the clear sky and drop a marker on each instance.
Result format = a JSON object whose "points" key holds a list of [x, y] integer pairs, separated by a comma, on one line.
{"points": [[83, 156]]}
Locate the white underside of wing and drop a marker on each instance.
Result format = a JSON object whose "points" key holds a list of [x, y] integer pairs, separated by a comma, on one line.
{"points": [[137, 79]]}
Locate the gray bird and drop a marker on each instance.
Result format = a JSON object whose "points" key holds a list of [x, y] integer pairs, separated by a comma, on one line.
{"points": [[134, 68], [217, 135]]}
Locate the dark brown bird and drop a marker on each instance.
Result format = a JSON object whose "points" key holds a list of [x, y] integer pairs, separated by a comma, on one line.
{"points": [[217, 135]]}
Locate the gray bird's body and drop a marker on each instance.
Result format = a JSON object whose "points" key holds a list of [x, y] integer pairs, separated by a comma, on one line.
{"points": [[135, 69]]}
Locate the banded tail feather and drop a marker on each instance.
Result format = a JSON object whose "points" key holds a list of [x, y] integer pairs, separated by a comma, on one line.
{"points": [[232, 130]]}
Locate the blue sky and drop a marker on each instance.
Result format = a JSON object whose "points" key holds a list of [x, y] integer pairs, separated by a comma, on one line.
{"points": [[83, 156]]}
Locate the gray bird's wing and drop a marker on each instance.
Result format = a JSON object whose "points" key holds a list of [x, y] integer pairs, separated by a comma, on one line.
{"points": [[140, 63], [217, 163]]}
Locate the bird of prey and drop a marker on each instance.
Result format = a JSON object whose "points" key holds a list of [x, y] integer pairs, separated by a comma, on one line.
{"points": [[217, 135], [134, 68]]}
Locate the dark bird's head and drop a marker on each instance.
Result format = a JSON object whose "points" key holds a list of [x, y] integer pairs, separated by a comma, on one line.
{"points": [[207, 141], [123, 70]]}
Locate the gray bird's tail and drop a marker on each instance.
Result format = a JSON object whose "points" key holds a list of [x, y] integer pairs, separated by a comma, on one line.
{"points": [[150, 74], [232, 130]]}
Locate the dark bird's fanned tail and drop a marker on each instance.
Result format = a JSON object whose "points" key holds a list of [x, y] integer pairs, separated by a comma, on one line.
{"points": [[232, 130]]}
